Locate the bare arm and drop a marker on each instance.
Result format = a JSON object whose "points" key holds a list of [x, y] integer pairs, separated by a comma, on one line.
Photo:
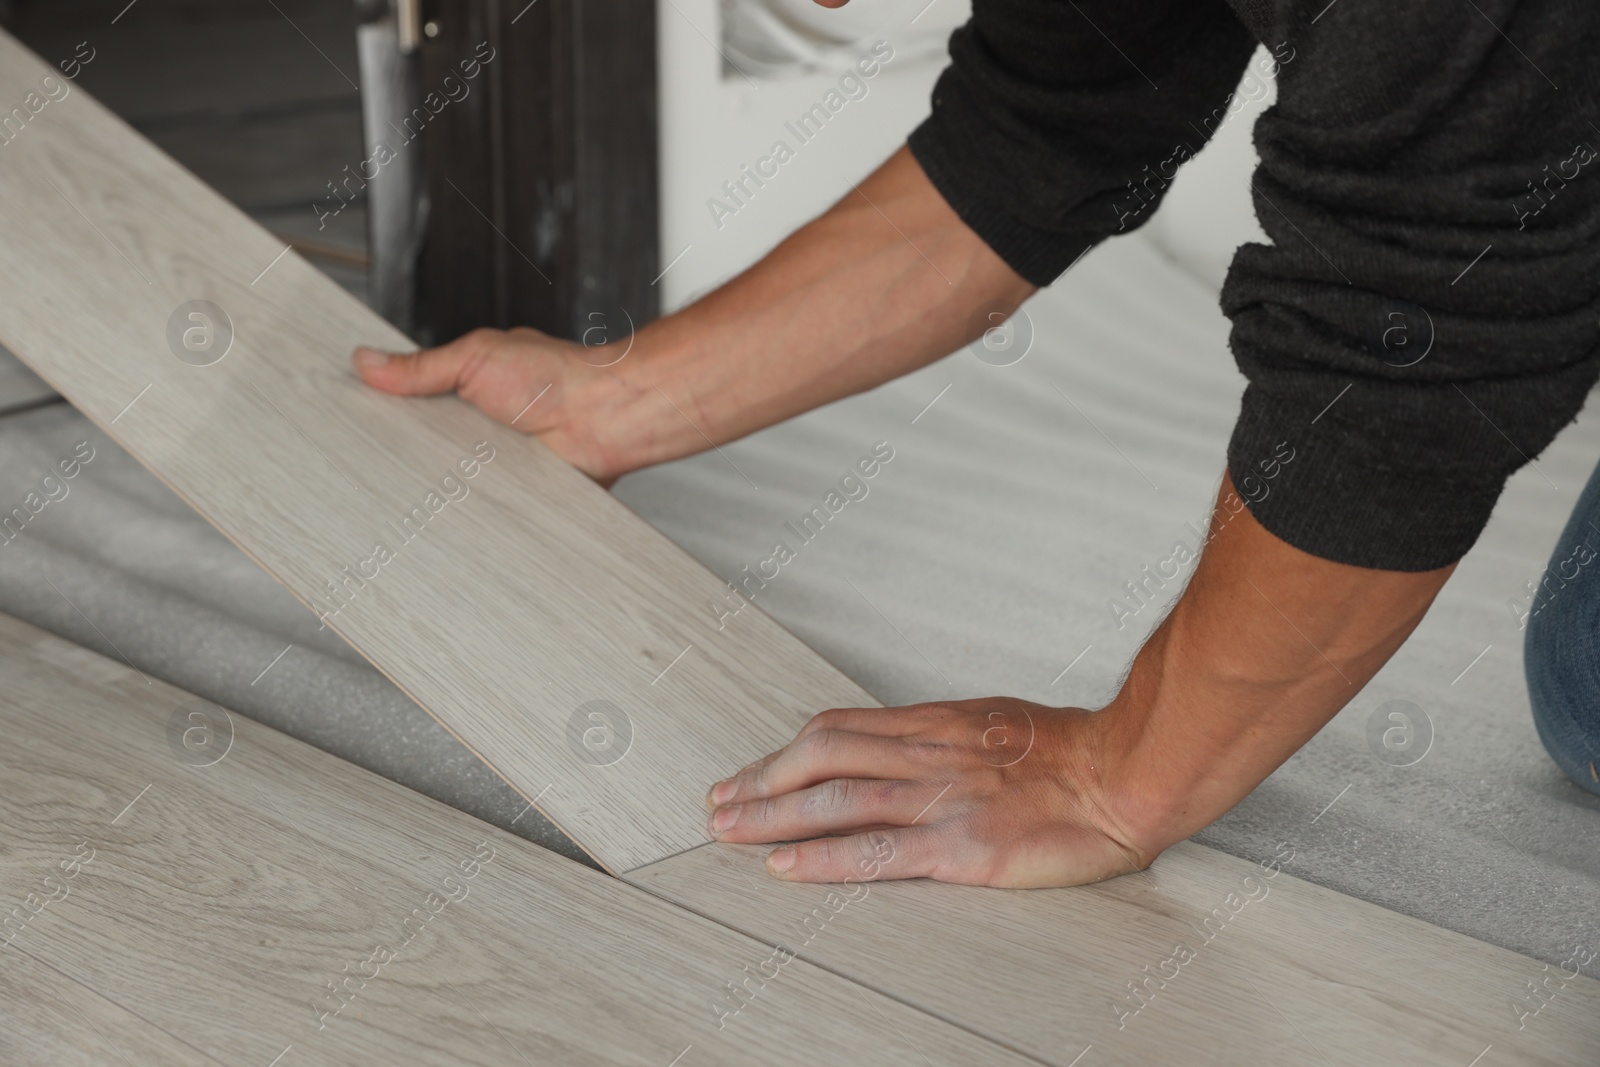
{"points": [[1263, 648], [888, 280]]}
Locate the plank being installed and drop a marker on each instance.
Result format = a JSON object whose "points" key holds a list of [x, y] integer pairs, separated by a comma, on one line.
{"points": [[187, 886], [574, 649], [1226, 960]]}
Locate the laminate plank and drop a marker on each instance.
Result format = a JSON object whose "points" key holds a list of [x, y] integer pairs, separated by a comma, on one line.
{"points": [[1230, 961], [254, 900], [52, 1019], [528, 596]]}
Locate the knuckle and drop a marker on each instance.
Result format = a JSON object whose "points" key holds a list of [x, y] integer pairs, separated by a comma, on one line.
{"points": [[875, 851], [471, 349], [818, 745], [482, 337], [833, 795], [926, 750], [765, 811], [758, 782], [822, 720]]}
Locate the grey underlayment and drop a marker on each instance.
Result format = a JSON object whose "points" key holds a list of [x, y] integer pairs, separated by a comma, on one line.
{"points": [[115, 561], [983, 559]]}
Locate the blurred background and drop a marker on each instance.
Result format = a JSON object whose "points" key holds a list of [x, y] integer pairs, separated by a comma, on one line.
{"points": [[588, 150]]}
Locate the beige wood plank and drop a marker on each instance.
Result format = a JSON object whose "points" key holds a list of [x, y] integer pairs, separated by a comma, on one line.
{"points": [[1203, 959], [219, 902], [525, 598], [50, 1019]]}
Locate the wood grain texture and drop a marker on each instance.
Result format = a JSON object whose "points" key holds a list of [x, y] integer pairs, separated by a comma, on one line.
{"points": [[51, 1019], [1278, 970], [211, 892], [519, 603]]}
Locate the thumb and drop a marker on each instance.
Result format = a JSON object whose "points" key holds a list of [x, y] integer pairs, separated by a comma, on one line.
{"points": [[432, 370]]}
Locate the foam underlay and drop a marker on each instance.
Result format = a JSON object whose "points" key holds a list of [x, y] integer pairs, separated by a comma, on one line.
{"points": [[981, 561]]}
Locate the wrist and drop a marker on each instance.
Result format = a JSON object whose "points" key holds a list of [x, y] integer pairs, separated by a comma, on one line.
{"points": [[636, 410], [1167, 775]]}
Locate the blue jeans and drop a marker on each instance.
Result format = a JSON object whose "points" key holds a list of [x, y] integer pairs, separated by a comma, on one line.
{"points": [[1562, 650]]}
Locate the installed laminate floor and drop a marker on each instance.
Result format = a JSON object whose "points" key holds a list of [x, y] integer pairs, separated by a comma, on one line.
{"points": [[183, 886], [1230, 961]]}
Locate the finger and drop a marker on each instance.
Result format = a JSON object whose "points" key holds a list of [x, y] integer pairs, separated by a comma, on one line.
{"points": [[881, 721], [877, 855], [817, 757], [885, 722], [758, 764], [838, 806], [433, 370], [748, 768]]}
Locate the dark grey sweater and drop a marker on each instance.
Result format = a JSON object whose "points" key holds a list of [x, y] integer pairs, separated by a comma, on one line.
{"points": [[1429, 179]]}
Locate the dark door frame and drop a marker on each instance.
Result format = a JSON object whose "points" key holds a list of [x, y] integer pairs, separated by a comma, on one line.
{"points": [[542, 176]]}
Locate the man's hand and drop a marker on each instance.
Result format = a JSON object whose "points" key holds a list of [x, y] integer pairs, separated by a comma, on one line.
{"points": [[1265, 645], [888, 280], [524, 378], [984, 792]]}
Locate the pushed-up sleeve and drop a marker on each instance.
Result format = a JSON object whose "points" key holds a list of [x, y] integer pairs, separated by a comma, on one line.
{"points": [[1423, 322], [1061, 122]]}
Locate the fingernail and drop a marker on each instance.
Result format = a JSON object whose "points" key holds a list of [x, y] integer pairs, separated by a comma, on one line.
{"points": [[781, 860], [723, 791], [371, 358], [723, 818]]}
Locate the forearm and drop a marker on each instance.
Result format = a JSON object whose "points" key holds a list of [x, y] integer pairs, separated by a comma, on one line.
{"points": [[1265, 645], [888, 280]]}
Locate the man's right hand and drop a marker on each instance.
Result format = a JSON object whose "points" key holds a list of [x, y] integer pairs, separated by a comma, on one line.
{"points": [[888, 280], [526, 379]]}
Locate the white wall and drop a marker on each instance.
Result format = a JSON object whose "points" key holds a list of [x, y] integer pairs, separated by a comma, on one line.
{"points": [[712, 125], [1207, 212]]}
